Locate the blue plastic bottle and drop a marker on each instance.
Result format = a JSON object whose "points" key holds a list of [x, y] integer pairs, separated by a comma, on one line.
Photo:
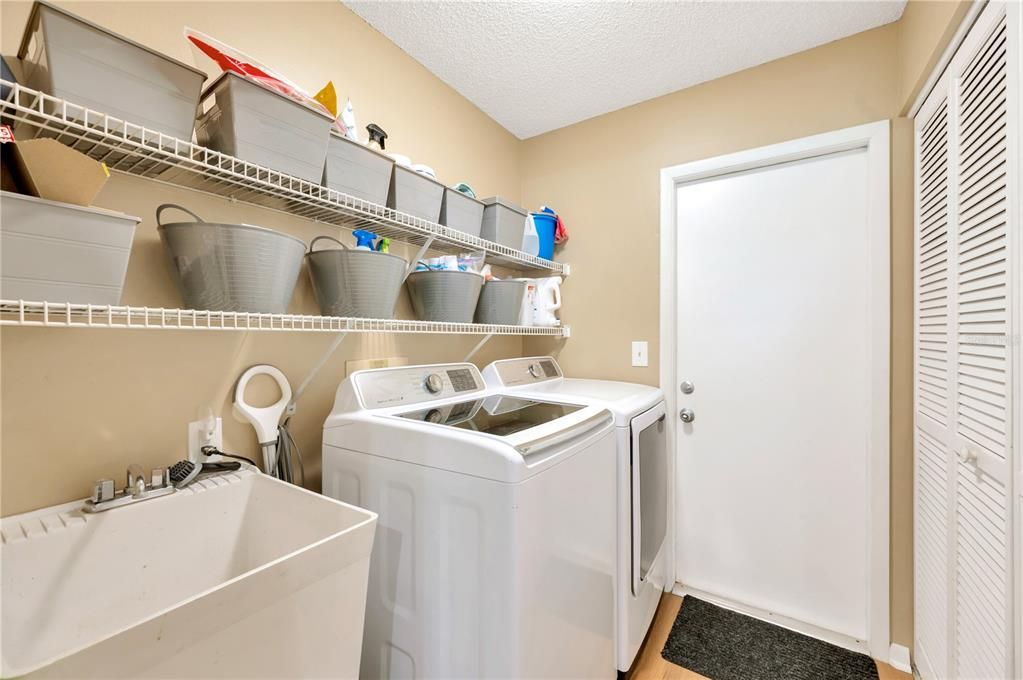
{"points": [[364, 239]]}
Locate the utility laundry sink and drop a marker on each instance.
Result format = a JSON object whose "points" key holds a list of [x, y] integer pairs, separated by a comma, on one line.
{"points": [[238, 575]]}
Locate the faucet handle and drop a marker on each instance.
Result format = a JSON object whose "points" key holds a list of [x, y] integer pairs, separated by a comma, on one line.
{"points": [[103, 490], [159, 478]]}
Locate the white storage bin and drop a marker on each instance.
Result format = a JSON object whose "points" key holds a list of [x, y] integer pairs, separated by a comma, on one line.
{"points": [[503, 222], [258, 125], [461, 212], [357, 170], [415, 194], [58, 252], [74, 59]]}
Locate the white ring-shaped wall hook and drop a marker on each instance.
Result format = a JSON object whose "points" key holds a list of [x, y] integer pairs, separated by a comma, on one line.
{"points": [[265, 419]]}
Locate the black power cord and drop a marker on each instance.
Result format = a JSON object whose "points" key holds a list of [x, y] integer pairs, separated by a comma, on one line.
{"points": [[214, 451]]}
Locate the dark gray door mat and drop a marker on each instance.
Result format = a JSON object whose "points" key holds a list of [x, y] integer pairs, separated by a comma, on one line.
{"points": [[724, 645]]}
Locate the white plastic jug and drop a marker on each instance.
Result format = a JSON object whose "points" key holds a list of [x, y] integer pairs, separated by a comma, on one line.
{"points": [[526, 314], [530, 239], [546, 301]]}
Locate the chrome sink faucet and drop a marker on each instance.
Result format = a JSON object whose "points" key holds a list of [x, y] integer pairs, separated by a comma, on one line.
{"points": [[136, 483], [105, 496]]}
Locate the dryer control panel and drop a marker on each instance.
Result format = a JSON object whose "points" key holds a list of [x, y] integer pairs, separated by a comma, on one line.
{"points": [[526, 371], [386, 387]]}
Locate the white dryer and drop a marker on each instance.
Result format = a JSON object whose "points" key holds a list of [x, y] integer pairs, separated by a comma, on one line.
{"points": [[495, 553], [642, 489]]}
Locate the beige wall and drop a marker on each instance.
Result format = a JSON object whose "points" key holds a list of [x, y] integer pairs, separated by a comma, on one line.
{"points": [[603, 175], [925, 29], [78, 405]]}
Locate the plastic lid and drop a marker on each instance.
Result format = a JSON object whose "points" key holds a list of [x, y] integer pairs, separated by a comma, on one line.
{"points": [[497, 200], [224, 78], [38, 4]]}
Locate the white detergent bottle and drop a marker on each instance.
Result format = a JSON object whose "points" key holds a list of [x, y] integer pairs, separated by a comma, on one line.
{"points": [[526, 314], [530, 239], [547, 301]]}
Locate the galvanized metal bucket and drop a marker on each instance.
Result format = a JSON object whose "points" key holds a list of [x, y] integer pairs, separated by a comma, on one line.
{"points": [[231, 267], [352, 282], [445, 294], [501, 302]]}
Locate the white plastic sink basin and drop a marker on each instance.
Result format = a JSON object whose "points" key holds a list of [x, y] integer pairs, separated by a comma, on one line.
{"points": [[237, 576]]}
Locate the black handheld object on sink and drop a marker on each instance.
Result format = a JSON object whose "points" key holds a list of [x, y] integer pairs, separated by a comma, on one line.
{"points": [[184, 472]]}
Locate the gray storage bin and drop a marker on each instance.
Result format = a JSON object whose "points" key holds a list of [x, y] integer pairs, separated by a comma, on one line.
{"points": [[357, 170], [503, 222], [258, 125], [231, 267], [58, 252], [355, 282], [415, 194], [445, 294], [461, 212], [501, 302], [76, 60]]}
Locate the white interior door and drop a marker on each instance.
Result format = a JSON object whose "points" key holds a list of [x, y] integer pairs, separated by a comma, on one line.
{"points": [[779, 330]]}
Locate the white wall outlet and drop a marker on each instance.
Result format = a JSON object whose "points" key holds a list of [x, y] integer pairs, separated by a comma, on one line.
{"points": [[640, 353], [200, 434]]}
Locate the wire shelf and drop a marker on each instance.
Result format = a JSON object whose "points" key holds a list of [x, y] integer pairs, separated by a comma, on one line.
{"points": [[69, 315], [135, 150]]}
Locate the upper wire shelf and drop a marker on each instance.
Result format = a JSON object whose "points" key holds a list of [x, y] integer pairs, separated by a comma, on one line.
{"points": [[68, 315], [135, 150]]}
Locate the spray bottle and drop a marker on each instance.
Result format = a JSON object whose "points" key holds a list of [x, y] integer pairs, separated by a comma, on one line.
{"points": [[377, 137], [364, 239]]}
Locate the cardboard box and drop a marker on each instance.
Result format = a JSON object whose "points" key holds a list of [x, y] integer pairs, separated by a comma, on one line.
{"points": [[47, 169]]}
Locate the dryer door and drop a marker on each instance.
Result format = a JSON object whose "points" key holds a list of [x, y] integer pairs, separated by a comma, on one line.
{"points": [[649, 470]]}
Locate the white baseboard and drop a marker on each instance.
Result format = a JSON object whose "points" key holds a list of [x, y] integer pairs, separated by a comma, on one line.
{"points": [[898, 658], [838, 639]]}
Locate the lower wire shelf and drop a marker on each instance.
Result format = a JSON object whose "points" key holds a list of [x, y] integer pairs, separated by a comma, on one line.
{"points": [[70, 315]]}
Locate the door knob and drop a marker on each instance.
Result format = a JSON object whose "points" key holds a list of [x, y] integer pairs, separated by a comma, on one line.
{"points": [[687, 415], [967, 455]]}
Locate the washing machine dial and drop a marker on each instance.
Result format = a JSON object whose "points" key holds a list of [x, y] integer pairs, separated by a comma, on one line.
{"points": [[433, 383], [535, 370]]}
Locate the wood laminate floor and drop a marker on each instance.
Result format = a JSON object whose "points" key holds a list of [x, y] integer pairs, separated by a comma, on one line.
{"points": [[651, 666]]}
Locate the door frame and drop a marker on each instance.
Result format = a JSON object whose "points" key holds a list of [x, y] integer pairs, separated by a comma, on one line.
{"points": [[875, 139]]}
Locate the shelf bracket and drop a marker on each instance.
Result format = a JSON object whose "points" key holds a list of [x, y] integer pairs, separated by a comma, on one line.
{"points": [[478, 347], [420, 253], [292, 405]]}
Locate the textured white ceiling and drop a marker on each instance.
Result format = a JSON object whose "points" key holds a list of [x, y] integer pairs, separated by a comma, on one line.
{"points": [[535, 66]]}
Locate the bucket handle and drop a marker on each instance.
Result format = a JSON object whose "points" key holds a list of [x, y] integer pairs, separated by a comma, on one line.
{"points": [[329, 238], [163, 207], [411, 269]]}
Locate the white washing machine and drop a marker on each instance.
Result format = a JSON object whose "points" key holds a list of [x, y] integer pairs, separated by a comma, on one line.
{"points": [[495, 551], [642, 489]]}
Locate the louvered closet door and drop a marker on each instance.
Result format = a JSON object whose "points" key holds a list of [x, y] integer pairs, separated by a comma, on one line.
{"points": [[963, 548], [983, 385], [933, 462]]}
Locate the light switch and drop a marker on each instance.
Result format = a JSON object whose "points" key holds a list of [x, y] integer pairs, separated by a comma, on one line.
{"points": [[640, 354]]}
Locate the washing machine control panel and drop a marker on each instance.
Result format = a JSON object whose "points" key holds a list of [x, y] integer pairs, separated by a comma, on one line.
{"points": [[416, 384], [516, 372]]}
